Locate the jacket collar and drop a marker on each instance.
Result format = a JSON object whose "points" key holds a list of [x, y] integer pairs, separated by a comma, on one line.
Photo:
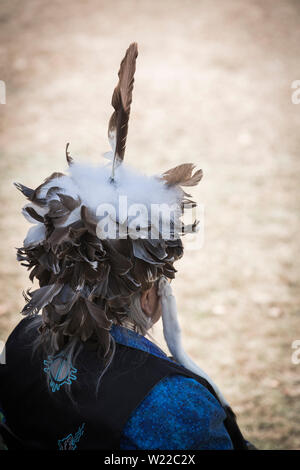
{"points": [[132, 339]]}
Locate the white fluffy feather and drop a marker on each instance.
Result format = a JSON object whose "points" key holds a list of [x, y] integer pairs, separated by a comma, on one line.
{"points": [[92, 184], [95, 186]]}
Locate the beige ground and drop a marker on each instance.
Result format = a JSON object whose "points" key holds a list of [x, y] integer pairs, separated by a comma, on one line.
{"points": [[213, 86]]}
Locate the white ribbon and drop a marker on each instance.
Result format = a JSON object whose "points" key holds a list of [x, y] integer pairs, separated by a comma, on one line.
{"points": [[172, 334]]}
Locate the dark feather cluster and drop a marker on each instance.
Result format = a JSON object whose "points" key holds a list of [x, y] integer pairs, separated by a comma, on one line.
{"points": [[86, 282]]}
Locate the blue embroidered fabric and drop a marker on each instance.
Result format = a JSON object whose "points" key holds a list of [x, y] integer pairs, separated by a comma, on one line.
{"points": [[178, 413]]}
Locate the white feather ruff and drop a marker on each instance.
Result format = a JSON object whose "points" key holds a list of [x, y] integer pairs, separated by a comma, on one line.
{"points": [[93, 186]]}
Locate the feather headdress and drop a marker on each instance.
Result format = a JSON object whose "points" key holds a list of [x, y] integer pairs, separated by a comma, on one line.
{"points": [[101, 234]]}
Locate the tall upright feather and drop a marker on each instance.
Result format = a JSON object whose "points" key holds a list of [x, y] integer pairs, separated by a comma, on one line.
{"points": [[121, 101]]}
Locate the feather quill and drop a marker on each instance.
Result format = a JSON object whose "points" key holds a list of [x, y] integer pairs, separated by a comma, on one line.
{"points": [[121, 101]]}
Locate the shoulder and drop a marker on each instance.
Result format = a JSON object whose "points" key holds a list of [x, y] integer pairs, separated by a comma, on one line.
{"points": [[24, 325], [178, 413], [20, 339]]}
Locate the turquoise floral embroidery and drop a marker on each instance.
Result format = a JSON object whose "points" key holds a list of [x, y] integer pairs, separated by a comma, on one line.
{"points": [[70, 442], [60, 371]]}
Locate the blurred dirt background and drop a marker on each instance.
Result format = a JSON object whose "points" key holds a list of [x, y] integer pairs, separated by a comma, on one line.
{"points": [[213, 86]]}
